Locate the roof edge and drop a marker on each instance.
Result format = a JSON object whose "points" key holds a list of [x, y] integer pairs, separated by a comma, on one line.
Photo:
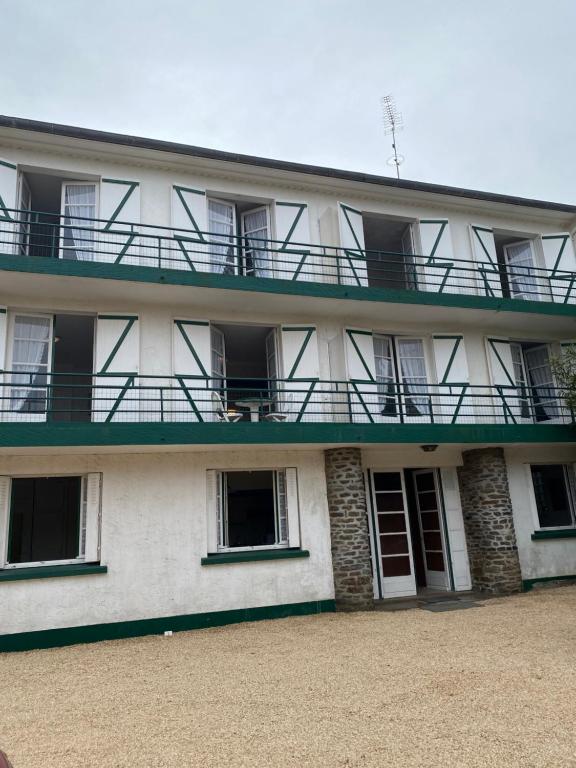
{"points": [[139, 142]]}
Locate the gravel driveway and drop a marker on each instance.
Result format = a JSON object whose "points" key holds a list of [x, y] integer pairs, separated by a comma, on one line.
{"points": [[488, 686]]}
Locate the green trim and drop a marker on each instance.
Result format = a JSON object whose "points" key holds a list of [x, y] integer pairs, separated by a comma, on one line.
{"points": [[179, 324], [476, 229], [564, 239], [458, 340], [190, 398], [527, 584], [129, 383], [375, 534], [309, 332], [131, 187], [3, 310], [345, 209], [156, 276], [125, 332], [306, 400], [6, 164], [51, 572], [224, 558], [55, 434], [349, 333], [93, 633], [443, 224], [117, 317], [566, 533], [501, 341], [179, 191], [301, 207]]}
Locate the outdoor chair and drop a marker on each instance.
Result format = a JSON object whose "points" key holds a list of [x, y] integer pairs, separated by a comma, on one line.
{"points": [[221, 412]]}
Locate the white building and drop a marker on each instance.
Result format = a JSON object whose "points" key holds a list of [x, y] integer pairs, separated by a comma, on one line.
{"points": [[238, 388]]}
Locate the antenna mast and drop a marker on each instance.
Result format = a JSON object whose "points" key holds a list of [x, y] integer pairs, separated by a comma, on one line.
{"points": [[392, 120]]}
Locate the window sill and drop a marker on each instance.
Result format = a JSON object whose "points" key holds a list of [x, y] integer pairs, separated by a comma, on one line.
{"points": [[51, 571], [223, 558], [567, 533]]}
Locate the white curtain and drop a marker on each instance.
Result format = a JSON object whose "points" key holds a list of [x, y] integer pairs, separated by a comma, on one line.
{"points": [[221, 228], [79, 212], [521, 383], [414, 380], [30, 359], [542, 383], [255, 231], [521, 271], [384, 370]]}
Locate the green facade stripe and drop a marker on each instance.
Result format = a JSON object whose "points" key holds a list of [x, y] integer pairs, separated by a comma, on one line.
{"points": [[51, 571], [345, 209], [443, 224], [224, 558], [129, 383], [93, 633], [6, 164], [306, 401], [458, 340], [117, 317], [277, 286], [567, 533], [129, 323], [129, 240], [350, 335], [190, 399], [179, 324], [528, 584], [301, 207], [131, 187], [309, 332], [181, 240], [476, 230], [179, 191], [57, 434]]}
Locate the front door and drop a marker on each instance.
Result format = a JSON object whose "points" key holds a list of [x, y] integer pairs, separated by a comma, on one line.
{"points": [[431, 528], [393, 562]]}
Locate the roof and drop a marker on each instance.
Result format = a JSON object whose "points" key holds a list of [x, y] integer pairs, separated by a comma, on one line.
{"points": [[88, 134]]}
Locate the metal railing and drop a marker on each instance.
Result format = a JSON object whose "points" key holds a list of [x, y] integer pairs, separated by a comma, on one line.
{"points": [[33, 397], [44, 235]]}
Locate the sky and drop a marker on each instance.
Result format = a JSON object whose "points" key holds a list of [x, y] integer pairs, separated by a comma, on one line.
{"points": [[486, 89]]}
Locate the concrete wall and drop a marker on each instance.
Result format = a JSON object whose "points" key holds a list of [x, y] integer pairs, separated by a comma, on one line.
{"points": [[154, 533], [538, 559]]}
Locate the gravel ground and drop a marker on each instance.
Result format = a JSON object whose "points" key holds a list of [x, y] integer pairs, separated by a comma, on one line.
{"points": [[487, 686]]}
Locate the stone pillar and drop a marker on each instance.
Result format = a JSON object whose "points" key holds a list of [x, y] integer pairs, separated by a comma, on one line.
{"points": [[349, 529], [488, 521]]}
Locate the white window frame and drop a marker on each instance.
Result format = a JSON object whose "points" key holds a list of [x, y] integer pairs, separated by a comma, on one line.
{"points": [[431, 378], [528, 386], [269, 267], [532, 494], [292, 522], [5, 524], [10, 362], [97, 225], [235, 244]]}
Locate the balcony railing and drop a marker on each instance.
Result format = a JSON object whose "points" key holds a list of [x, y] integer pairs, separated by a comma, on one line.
{"points": [[122, 398], [141, 245]]}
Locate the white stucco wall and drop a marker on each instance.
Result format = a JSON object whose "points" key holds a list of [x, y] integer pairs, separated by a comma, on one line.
{"points": [[538, 559], [154, 533]]}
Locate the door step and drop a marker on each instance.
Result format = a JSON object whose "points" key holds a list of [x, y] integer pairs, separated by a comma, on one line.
{"points": [[435, 602]]}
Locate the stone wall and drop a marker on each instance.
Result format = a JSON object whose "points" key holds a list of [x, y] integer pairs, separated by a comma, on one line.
{"points": [[349, 529], [488, 521]]}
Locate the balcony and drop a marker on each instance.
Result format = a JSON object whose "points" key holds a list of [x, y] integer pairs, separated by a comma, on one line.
{"points": [[32, 242], [122, 409]]}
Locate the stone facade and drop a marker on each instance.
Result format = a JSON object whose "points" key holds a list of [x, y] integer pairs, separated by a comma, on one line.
{"points": [[351, 559], [488, 521]]}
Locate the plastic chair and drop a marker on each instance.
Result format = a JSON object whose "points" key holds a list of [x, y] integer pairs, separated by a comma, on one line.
{"points": [[221, 413]]}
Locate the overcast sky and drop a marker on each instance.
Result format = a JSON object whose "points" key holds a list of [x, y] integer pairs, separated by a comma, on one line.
{"points": [[487, 89]]}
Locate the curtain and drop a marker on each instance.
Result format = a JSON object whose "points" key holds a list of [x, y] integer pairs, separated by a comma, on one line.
{"points": [[384, 370], [79, 205], [542, 383], [413, 373], [521, 271], [30, 357], [221, 228], [520, 379], [255, 226]]}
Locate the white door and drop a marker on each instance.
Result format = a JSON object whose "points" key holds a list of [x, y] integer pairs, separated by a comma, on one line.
{"points": [[301, 365], [352, 269], [390, 529], [431, 524], [30, 364], [416, 403], [78, 212], [222, 235], [522, 281], [24, 216], [255, 238]]}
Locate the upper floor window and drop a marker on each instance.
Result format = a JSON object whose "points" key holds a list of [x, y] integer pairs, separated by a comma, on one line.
{"points": [[402, 377], [239, 237], [535, 381]]}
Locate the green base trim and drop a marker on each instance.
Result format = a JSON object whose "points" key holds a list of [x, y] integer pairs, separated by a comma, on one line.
{"points": [[93, 633], [224, 558], [51, 571], [527, 584], [107, 271], [262, 433], [568, 533]]}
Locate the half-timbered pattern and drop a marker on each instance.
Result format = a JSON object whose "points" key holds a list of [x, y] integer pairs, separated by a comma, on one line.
{"points": [[233, 387]]}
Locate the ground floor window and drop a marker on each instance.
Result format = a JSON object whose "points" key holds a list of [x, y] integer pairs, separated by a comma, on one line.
{"points": [[555, 494], [255, 508], [50, 519]]}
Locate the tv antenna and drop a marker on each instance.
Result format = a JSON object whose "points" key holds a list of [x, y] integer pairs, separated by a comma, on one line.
{"points": [[393, 123]]}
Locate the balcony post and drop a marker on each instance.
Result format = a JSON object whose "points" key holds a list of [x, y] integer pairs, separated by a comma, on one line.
{"points": [[349, 529], [488, 521]]}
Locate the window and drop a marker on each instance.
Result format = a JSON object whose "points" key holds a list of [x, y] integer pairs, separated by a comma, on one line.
{"points": [[50, 519], [554, 491], [401, 360], [32, 339], [79, 211], [239, 237], [253, 509], [534, 381]]}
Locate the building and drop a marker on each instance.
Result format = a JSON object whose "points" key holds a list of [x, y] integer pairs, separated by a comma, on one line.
{"points": [[237, 388]]}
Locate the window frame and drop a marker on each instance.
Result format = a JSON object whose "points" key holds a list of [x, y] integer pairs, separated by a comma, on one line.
{"points": [[29, 416], [97, 225], [571, 494], [83, 523], [217, 513]]}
